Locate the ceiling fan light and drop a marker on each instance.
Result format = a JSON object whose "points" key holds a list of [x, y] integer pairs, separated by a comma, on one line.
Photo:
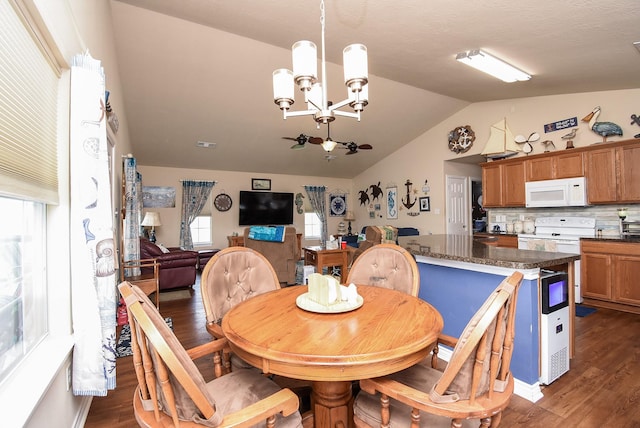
{"points": [[305, 64], [480, 60], [283, 89], [356, 72], [328, 144]]}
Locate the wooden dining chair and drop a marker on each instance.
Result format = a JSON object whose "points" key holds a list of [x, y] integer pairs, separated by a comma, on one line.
{"points": [[386, 265], [172, 392], [475, 384]]}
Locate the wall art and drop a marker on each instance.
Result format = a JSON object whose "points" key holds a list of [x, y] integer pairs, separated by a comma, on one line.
{"points": [[392, 202], [158, 197]]}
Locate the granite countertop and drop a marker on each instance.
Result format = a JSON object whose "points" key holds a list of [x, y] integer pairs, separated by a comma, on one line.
{"points": [[464, 248], [615, 238]]}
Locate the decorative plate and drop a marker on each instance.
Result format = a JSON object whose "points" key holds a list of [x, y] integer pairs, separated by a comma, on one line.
{"points": [[222, 202], [304, 302], [461, 139], [338, 205]]}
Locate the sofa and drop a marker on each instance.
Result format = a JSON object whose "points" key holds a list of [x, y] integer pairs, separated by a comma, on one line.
{"points": [[176, 267], [282, 255]]}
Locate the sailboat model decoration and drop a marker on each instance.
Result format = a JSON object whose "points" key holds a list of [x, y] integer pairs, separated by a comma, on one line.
{"points": [[501, 142]]}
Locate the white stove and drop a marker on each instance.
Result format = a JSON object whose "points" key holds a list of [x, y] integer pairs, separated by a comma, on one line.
{"points": [[561, 235], [562, 228]]}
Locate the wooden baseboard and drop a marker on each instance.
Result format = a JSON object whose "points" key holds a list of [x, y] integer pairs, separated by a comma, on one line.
{"points": [[611, 305]]}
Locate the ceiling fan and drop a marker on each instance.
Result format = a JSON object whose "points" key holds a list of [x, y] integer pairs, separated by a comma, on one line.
{"points": [[327, 144]]}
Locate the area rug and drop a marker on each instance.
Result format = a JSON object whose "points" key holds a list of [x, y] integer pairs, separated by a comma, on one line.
{"points": [[168, 296], [583, 311], [123, 347]]}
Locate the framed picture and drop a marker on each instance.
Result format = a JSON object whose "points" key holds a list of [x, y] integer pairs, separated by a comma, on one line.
{"points": [[392, 202], [260, 184], [158, 197], [425, 204]]}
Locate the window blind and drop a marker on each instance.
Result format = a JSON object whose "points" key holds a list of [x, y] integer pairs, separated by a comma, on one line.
{"points": [[28, 110]]}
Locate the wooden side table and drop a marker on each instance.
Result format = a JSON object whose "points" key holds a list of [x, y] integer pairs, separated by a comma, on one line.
{"points": [[148, 282], [319, 257]]}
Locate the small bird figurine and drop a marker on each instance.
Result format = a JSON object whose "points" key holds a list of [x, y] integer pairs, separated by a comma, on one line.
{"points": [[570, 135], [605, 129]]}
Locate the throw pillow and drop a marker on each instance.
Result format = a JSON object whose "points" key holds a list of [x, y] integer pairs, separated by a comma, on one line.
{"points": [[163, 248]]}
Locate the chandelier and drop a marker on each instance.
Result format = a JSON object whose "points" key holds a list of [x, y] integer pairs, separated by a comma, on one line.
{"points": [[304, 74]]}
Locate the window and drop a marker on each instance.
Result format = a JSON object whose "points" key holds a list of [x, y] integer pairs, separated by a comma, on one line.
{"points": [[312, 226], [23, 290], [201, 230], [28, 173]]}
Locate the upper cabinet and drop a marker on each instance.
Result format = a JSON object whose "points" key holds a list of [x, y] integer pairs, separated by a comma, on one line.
{"points": [[612, 171], [503, 183], [549, 167]]}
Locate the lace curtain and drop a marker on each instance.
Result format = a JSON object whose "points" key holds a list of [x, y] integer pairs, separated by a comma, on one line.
{"points": [[132, 180], [318, 203], [194, 197]]}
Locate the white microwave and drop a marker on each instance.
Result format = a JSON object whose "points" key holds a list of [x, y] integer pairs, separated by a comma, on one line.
{"points": [[563, 192]]}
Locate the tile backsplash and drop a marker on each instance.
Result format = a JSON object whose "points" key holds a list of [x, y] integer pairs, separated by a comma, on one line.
{"points": [[606, 215]]}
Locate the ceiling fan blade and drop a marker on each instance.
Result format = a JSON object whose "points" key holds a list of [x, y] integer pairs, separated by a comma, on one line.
{"points": [[365, 146], [352, 152], [297, 146], [315, 140], [290, 138]]}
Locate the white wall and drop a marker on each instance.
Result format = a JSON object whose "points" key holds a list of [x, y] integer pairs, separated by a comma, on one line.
{"points": [[422, 159], [230, 182]]}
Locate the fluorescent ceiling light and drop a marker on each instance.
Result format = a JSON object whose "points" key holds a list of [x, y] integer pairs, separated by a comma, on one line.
{"points": [[480, 60]]}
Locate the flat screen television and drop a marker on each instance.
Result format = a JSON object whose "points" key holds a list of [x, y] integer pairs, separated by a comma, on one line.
{"points": [[265, 208]]}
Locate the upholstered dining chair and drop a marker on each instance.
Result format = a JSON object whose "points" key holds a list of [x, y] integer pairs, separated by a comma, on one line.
{"points": [[172, 392], [475, 384], [231, 276], [386, 265]]}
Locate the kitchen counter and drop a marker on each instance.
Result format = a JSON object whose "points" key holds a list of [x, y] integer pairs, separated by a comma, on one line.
{"points": [[458, 272], [465, 248], [615, 238]]}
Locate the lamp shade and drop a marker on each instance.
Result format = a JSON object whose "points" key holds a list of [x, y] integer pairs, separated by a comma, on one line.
{"points": [[152, 219], [356, 71], [348, 216]]}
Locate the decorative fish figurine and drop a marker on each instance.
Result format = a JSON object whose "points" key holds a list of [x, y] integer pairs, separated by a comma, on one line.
{"points": [[605, 129]]}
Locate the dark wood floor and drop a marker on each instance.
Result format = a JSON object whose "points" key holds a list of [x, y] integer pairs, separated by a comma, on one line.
{"points": [[602, 389]]}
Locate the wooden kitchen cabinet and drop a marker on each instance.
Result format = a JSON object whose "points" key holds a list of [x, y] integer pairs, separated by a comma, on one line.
{"points": [[613, 173], [503, 184], [628, 160], [552, 166], [601, 176], [492, 185], [609, 271]]}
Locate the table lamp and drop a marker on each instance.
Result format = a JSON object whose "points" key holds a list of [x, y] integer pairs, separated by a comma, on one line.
{"points": [[348, 216], [152, 219]]}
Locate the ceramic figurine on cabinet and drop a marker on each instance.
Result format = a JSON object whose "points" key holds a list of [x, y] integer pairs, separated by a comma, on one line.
{"points": [[604, 129]]}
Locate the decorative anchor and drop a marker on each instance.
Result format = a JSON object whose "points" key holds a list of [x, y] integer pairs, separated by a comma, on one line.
{"points": [[635, 119], [408, 202]]}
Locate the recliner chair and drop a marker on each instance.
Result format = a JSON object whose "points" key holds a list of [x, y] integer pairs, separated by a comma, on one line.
{"points": [[282, 255]]}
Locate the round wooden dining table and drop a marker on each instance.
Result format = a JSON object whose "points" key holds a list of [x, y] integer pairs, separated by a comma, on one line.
{"points": [[389, 332]]}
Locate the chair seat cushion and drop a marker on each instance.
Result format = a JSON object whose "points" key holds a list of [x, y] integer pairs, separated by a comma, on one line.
{"points": [[421, 377], [237, 390]]}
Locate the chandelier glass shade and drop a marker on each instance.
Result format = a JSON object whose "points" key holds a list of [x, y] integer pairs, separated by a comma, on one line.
{"points": [[305, 76]]}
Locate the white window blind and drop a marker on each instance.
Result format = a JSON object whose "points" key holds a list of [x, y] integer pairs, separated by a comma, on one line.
{"points": [[28, 110]]}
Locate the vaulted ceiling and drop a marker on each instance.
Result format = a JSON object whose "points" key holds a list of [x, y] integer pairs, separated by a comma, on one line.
{"points": [[200, 70]]}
